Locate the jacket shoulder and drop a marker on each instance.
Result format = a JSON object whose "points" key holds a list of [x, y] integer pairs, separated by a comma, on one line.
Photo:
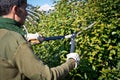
{"points": [[9, 41]]}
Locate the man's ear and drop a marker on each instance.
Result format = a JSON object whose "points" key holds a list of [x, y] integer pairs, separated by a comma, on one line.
{"points": [[14, 9]]}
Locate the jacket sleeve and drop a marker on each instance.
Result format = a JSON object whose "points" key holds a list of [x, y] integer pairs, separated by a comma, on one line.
{"points": [[34, 69]]}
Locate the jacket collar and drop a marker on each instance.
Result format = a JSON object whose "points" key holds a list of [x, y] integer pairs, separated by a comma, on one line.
{"points": [[12, 25]]}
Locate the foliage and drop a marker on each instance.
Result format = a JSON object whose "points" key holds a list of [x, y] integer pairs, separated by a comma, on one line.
{"points": [[99, 47]]}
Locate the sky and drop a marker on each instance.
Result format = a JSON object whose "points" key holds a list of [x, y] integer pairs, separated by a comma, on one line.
{"points": [[45, 5]]}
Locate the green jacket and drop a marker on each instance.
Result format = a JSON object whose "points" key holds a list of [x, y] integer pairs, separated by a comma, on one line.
{"points": [[17, 60]]}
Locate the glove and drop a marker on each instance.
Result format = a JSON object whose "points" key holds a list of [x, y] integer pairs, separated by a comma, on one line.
{"points": [[31, 36], [74, 56], [34, 38]]}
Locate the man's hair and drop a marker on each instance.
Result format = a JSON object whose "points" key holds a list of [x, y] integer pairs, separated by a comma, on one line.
{"points": [[6, 5]]}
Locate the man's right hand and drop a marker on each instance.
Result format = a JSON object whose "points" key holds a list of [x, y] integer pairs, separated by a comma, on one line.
{"points": [[74, 56]]}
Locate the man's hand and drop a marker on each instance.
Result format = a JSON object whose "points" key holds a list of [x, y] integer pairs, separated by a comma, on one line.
{"points": [[33, 38], [74, 56]]}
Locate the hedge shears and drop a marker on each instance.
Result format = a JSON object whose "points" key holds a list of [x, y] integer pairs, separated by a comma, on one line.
{"points": [[71, 36]]}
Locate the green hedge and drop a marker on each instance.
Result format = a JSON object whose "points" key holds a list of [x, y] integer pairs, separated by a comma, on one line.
{"points": [[98, 47]]}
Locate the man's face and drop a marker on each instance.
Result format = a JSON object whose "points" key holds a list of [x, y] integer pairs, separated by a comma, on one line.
{"points": [[21, 14]]}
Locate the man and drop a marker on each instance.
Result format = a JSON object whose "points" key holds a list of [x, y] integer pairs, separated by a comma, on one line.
{"points": [[17, 61]]}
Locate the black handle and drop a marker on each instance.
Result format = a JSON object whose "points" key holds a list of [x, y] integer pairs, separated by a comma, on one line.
{"points": [[53, 38]]}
